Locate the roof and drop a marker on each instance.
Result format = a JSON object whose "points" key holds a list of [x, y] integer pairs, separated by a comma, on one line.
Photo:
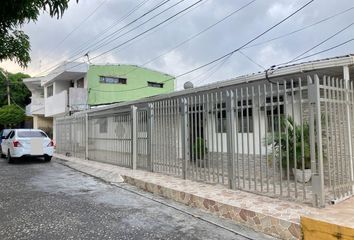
{"points": [[288, 70], [134, 65]]}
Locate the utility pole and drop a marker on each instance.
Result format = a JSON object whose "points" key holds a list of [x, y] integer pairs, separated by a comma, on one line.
{"points": [[7, 86], [7, 89]]}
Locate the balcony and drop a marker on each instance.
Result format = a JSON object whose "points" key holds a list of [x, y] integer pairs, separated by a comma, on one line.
{"points": [[56, 104], [62, 103], [36, 107], [77, 99]]}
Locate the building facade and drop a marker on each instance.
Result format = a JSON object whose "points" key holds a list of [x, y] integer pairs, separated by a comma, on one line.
{"points": [[74, 87]]}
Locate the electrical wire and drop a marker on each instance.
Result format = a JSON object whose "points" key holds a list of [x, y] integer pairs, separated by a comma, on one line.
{"points": [[308, 56], [301, 29], [251, 60], [122, 19], [107, 29], [136, 27], [225, 55], [322, 42], [78, 26], [144, 32], [326, 50], [194, 36]]}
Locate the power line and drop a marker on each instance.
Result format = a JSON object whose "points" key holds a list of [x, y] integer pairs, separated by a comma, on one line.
{"points": [[217, 68], [327, 39], [80, 24], [195, 35], [165, 25], [148, 20], [302, 28], [111, 26], [315, 46], [144, 32], [225, 55], [109, 37], [251, 60], [101, 33], [298, 59], [326, 50]]}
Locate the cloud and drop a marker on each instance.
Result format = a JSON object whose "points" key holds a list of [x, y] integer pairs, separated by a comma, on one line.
{"points": [[48, 47]]}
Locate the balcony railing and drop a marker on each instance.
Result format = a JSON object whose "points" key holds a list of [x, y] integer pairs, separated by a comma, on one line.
{"points": [[62, 103], [56, 104], [77, 99], [36, 107]]}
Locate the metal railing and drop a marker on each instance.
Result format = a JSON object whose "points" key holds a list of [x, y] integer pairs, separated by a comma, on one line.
{"points": [[289, 139]]}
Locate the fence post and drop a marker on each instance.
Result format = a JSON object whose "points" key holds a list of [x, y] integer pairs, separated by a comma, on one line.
{"points": [[134, 136], [86, 137], [230, 137], [346, 78], [150, 131], [185, 137], [316, 142]]}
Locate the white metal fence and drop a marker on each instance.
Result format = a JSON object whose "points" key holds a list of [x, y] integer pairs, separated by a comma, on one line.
{"points": [[291, 138]]}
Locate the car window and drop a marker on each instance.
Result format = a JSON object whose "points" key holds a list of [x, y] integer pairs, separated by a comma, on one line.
{"points": [[5, 132], [24, 134], [11, 134]]}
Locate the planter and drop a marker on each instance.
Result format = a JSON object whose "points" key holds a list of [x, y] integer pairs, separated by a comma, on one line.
{"points": [[300, 177]]}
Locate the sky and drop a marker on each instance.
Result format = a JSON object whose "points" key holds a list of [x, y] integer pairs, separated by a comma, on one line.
{"points": [[90, 24]]}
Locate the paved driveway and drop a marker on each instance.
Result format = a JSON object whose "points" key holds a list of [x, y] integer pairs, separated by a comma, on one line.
{"points": [[50, 201]]}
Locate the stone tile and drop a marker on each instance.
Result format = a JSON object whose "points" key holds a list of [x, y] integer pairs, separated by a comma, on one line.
{"points": [[279, 218]]}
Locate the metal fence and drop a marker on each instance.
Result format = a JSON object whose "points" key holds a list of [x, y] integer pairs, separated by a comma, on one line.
{"points": [[290, 139]]}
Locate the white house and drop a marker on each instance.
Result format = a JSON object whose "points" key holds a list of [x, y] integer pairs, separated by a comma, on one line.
{"points": [[62, 91]]}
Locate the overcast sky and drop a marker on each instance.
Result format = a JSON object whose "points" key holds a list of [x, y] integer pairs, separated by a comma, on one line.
{"points": [[83, 24]]}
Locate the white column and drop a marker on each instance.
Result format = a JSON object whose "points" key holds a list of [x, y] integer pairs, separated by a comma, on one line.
{"points": [[346, 78]]}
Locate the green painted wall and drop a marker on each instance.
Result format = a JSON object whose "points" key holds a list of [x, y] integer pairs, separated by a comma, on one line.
{"points": [[101, 93]]}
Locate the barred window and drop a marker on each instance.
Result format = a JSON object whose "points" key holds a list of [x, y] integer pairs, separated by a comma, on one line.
{"points": [[113, 80]]}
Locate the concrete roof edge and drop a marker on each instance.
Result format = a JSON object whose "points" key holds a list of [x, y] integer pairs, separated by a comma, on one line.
{"points": [[286, 70]]}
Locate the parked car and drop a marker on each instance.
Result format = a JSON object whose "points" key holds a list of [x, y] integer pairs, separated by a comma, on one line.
{"points": [[3, 134], [27, 143]]}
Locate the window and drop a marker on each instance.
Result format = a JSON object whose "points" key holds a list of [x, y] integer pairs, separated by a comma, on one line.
{"points": [[29, 134], [245, 116], [155, 84], [113, 80], [11, 134], [278, 111], [245, 126], [102, 125], [80, 83], [220, 118], [50, 91]]}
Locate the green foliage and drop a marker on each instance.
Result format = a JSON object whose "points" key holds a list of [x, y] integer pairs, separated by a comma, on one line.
{"points": [[18, 91], [199, 148], [294, 138], [11, 115], [14, 44]]}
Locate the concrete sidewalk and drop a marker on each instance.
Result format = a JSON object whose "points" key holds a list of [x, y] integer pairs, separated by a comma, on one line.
{"points": [[275, 217]]}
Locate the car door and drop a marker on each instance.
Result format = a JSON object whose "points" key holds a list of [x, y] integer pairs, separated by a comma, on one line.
{"points": [[7, 142]]}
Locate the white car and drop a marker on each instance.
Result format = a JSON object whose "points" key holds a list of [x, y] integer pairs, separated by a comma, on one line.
{"points": [[27, 143]]}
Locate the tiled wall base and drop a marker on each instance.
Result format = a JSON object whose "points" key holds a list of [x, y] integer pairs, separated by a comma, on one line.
{"points": [[260, 222]]}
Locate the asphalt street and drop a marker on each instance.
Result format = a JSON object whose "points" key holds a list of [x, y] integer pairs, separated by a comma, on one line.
{"points": [[41, 200]]}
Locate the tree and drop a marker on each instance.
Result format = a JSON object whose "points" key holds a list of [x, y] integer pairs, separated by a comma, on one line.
{"points": [[19, 93], [14, 43], [11, 115]]}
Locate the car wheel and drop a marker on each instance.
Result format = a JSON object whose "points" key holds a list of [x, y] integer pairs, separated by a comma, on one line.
{"points": [[47, 158], [2, 155], [9, 158]]}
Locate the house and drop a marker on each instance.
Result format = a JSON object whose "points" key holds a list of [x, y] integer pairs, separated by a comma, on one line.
{"points": [[73, 87], [229, 132]]}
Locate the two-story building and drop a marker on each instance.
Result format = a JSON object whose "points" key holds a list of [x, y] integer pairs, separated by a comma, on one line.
{"points": [[74, 86]]}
